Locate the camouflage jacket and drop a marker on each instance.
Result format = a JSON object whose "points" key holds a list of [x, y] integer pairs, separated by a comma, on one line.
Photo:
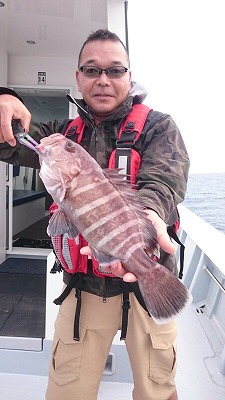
{"points": [[162, 177], [163, 174]]}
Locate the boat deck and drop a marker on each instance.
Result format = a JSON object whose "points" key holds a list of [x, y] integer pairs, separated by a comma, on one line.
{"points": [[201, 328], [198, 377]]}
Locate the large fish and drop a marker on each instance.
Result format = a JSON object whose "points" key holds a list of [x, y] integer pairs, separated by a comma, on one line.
{"points": [[108, 212]]}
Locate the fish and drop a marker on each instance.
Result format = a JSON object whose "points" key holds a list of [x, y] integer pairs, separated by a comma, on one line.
{"points": [[107, 210]]}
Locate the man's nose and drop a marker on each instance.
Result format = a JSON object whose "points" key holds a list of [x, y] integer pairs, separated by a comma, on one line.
{"points": [[103, 79]]}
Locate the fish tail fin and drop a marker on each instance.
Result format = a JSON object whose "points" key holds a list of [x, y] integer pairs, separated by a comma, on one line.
{"points": [[164, 295]]}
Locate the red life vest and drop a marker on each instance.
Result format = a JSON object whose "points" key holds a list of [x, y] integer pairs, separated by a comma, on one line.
{"points": [[67, 250]]}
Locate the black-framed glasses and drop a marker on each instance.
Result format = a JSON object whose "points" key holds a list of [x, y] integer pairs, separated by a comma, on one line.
{"points": [[90, 71]]}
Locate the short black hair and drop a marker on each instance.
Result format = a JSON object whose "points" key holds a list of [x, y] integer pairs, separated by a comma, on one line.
{"points": [[101, 35]]}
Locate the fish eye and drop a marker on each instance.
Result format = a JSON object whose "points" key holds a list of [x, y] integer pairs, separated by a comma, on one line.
{"points": [[70, 146]]}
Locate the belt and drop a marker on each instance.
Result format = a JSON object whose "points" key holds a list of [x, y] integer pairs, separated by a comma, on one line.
{"points": [[116, 286], [76, 281]]}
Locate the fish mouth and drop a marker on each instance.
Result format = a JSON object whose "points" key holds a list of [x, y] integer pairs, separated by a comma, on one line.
{"points": [[49, 141], [41, 149]]}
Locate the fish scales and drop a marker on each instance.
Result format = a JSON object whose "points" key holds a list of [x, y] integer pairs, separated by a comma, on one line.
{"points": [[103, 212], [108, 213], [108, 217]]}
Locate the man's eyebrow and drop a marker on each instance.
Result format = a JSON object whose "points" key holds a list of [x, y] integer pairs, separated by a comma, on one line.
{"points": [[92, 61]]}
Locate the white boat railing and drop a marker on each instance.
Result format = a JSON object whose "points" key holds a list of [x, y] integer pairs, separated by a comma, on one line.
{"points": [[204, 275]]}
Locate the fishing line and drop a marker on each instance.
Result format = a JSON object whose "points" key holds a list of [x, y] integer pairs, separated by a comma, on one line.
{"points": [[209, 203], [205, 184]]}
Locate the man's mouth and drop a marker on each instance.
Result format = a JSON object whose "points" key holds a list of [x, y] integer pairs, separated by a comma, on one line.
{"points": [[102, 95]]}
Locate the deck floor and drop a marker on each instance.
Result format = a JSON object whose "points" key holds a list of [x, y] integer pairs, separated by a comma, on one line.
{"points": [[195, 375], [23, 297]]}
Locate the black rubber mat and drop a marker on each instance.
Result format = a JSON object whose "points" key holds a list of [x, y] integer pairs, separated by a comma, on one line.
{"points": [[33, 243], [7, 306], [38, 230], [34, 236], [24, 266], [22, 297], [27, 319]]}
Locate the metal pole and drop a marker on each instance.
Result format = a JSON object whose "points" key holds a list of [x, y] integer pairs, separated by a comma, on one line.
{"points": [[222, 362], [221, 366], [126, 25], [215, 279]]}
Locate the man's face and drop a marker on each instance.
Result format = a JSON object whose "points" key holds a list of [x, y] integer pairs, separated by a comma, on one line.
{"points": [[102, 94]]}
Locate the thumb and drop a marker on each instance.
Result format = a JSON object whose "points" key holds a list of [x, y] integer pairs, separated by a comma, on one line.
{"points": [[86, 250], [160, 226], [164, 241]]}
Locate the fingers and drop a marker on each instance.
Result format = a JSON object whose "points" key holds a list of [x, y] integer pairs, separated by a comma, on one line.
{"points": [[117, 269], [163, 238], [12, 108], [129, 277], [6, 133], [86, 250]]}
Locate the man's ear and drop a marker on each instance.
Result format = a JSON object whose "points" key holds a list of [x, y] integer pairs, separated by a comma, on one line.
{"points": [[78, 81], [130, 78]]}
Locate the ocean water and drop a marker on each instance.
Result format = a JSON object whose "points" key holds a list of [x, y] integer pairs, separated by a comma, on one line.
{"points": [[206, 197]]}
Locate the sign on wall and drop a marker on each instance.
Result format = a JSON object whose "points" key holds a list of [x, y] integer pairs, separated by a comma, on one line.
{"points": [[41, 78]]}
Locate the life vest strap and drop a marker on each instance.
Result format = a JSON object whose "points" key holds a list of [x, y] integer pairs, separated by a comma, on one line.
{"points": [[125, 309]]}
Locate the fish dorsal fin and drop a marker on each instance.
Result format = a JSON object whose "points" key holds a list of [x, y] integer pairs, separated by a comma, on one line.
{"points": [[117, 177]]}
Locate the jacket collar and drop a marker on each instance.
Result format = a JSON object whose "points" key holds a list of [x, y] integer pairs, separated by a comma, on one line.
{"points": [[136, 95]]}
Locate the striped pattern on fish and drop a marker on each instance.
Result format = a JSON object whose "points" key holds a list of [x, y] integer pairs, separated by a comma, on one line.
{"points": [[105, 209], [103, 220]]}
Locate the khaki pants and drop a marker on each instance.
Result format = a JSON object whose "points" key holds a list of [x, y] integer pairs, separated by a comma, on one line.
{"points": [[76, 367]]}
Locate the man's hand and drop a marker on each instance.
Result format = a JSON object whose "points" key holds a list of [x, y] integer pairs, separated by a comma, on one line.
{"points": [[160, 226], [12, 108], [162, 238], [117, 269]]}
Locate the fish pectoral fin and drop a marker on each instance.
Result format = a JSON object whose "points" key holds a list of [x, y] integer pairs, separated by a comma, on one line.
{"points": [[103, 259], [72, 230], [59, 224]]}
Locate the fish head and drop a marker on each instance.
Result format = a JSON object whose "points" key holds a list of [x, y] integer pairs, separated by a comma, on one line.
{"points": [[60, 161]]}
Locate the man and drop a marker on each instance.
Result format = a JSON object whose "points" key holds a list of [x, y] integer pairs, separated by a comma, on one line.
{"points": [[76, 367]]}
